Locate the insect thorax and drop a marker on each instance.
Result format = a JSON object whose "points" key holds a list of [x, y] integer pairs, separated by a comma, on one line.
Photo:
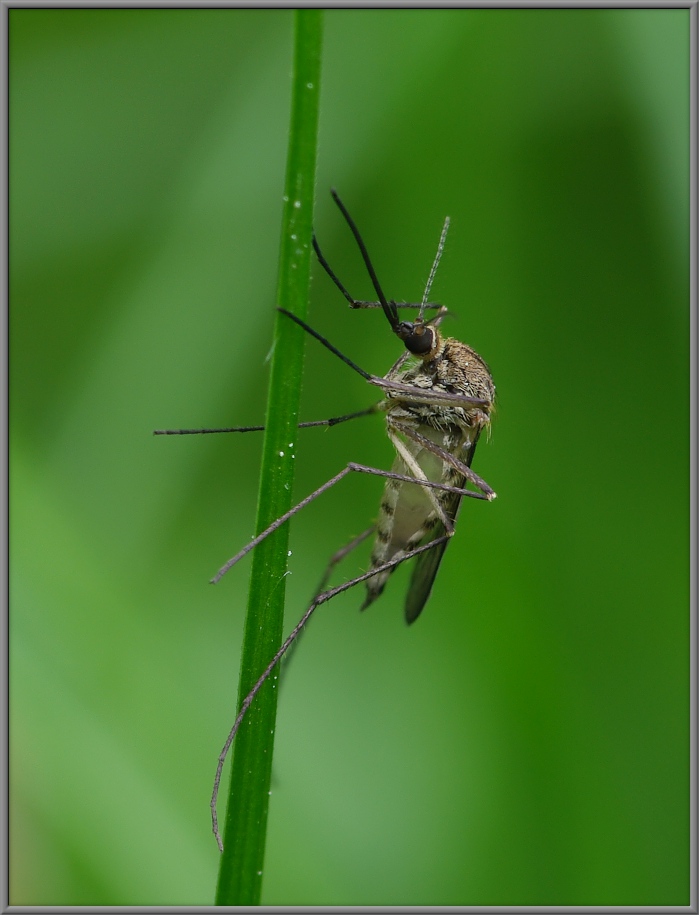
{"points": [[455, 369]]}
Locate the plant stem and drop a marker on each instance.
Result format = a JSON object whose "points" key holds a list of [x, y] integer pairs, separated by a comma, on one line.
{"points": [[240, 873]]}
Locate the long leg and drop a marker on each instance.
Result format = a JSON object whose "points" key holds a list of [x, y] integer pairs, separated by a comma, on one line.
{"points": [[321, 598], [416, 395], [419, 395], [340, 555], [334, 560], [350, 468], [359, 303], [448, 458], [333, 421], [413, 394]]}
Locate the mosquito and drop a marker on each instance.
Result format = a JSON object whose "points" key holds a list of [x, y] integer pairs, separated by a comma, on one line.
{"points": [[438, 398]]}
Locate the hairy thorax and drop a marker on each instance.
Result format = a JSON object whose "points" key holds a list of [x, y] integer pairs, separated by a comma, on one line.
{"points": [[454, 368]]}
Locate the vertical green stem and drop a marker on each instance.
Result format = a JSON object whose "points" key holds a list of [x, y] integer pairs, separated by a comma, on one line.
{"points": [[240, 873]]}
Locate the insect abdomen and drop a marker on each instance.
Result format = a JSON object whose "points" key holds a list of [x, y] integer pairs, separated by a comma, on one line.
{"points": [[407, 515]]}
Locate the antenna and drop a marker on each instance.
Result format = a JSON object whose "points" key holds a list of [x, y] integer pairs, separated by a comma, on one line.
{"points": [[438, 257]]}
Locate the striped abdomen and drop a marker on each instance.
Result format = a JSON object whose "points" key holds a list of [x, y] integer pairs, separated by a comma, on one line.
{"points": [[408, 515]]}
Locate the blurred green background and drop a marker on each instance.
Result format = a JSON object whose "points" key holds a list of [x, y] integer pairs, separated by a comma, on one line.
{"points": [[526, 741]]}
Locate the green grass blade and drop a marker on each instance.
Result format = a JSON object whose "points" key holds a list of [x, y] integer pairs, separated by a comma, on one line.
{"points": [[240, 874]]}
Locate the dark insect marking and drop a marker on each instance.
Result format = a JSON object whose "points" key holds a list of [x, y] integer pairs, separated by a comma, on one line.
{"points": [[428, 525]]}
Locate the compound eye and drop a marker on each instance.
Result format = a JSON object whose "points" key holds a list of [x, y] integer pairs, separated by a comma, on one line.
{"points": [[420, 341]]}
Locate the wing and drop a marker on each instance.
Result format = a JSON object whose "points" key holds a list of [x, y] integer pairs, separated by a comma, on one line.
{"points": [[425, 570], [427, 564]]}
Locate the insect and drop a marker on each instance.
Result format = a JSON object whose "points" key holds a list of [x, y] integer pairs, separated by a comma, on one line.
{"points": [[438, 398]]}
